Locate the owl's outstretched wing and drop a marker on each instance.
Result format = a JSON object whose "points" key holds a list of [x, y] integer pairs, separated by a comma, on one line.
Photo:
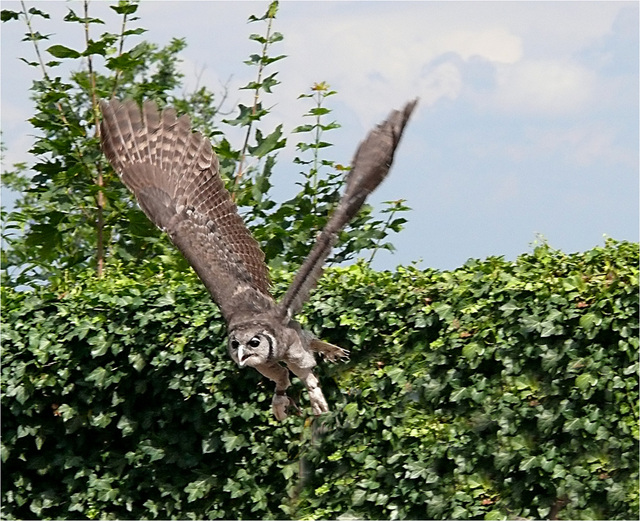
{"points": [[174, 175], [369, 167]]}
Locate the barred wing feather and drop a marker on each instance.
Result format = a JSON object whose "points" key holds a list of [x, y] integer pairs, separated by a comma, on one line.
{"points": [[174, 174]]}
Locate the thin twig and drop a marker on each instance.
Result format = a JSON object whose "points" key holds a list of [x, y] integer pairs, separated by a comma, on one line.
{"points": [[384, 228], [256, 99], [100, 202], [40, 60], [75, 146], [314, 179], [120, 51], [47, 78]]}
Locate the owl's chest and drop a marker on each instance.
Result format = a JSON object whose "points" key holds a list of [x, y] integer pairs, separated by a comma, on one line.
{"points": [[296, 349]]}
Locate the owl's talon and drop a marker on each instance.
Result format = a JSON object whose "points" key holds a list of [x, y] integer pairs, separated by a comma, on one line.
{"points": [[318, 403], [329, 352], [279, 406], [294, 407]]}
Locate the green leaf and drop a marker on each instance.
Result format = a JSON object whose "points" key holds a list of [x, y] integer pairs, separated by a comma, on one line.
{"points": [[21, 394], [458, 395], [303, 128], [6, 15], [585, 381], [137, 361], [351, 410], [590, 320], [532, 323], [232, 441], [99, 375], [35, 37], [125, 8], [471, 350], [166, 300], [72, 17], [358, 497], [38, 12], [198, 489], [319, 111], [60, 51], [100, 345], [510, 307], [269, 143], [528, 463], [127, 426]]}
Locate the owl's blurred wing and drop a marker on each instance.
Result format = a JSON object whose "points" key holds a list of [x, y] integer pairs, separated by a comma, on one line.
{"points": [[369, 167], [174, 174]]}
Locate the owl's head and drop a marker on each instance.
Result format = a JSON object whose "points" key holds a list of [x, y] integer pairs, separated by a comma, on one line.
{"points": [[251, 345]]}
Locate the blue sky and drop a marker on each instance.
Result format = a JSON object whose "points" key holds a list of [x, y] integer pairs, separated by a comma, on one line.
{"points": [[527, 123]]}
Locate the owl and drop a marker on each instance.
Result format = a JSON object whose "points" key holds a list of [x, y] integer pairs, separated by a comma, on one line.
{"points": [[174, 174]]}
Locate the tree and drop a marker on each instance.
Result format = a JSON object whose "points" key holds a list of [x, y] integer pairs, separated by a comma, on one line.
{"points": [[73, 213]]}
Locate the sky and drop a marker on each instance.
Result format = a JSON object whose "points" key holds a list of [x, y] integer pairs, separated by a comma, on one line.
{"points": [[527, 124]]}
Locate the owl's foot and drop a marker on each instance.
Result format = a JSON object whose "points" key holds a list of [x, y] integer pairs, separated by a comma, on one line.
{"points": [[279, 406], [318, 403], [331, 352], [282, 405]]}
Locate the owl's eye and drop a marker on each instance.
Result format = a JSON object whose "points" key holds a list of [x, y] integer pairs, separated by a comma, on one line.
{"points": [[254, 342], [235, 344]]}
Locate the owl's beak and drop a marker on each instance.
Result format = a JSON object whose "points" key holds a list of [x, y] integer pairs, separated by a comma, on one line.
{"points": [[240, 356]]}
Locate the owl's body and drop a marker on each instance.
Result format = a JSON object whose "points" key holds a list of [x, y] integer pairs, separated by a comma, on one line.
{"points": [[258, 344], [174, 175]]}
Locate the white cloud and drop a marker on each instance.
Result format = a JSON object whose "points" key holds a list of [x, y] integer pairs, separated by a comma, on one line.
{"points": [[377, 56], [497, 45], [530, 67], [444, 81], [379, 53], [581, 145], [543, 87], [17, 151]]}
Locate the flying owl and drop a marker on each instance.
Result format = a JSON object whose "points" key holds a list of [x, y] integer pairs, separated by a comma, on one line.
{"points": [[174, 175]]}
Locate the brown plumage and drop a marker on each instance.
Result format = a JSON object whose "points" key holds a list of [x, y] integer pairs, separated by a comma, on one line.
{"points": [[174, 175], [369, 167]]}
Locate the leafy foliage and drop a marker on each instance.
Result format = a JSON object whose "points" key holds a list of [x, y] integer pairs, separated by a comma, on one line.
{"points": [[289, 227], [74, 213], [497, 390]]}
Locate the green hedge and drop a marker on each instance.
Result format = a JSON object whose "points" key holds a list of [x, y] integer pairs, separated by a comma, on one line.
{"points": [[497, 390]]}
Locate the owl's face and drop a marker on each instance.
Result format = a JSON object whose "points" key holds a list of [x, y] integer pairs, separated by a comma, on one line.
{"points": [[251, 346]]}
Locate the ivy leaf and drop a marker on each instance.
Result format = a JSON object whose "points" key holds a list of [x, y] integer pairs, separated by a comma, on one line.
{"points": [[586, 380], [98, 375], [510, 307], [233, 441], [198, 489], [100, 345], [358, 497], [528, 463], [589, 320]]}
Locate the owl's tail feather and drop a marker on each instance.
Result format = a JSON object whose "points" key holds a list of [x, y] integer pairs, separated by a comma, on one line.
{"points": [[329, 351]]}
